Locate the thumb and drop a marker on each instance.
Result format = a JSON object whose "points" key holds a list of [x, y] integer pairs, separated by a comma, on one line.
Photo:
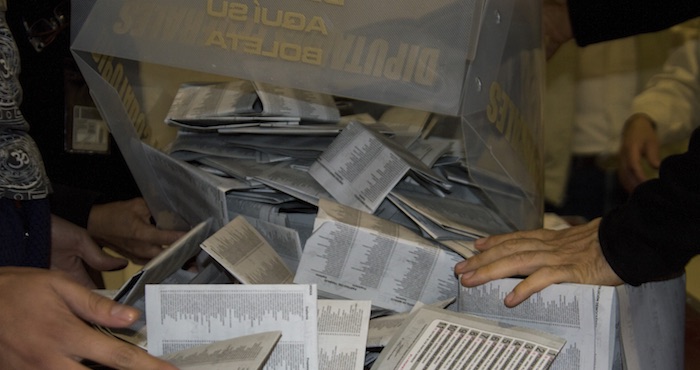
{"points": [[653, 156], [93, 307]]}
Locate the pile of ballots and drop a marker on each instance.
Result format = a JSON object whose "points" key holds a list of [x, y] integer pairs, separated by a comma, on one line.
{"points": [[324, 233], [282, 150]]}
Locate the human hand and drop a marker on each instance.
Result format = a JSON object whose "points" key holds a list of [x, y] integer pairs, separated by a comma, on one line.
{"points": [[126, 227], [556, 26], [71, 246], [546, 257], [43, 325], [639, 141]]}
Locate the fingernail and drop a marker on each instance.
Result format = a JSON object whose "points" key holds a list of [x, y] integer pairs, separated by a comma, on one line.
{"points": [[123, 313], [509, 297], [479, 242], [467, 275]]}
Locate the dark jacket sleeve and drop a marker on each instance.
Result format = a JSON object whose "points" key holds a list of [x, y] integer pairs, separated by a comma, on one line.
{"points": [[601, 20], [73, 204], [657, 232]]}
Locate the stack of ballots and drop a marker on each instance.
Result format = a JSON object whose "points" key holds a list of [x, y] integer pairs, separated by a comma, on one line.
{"points": [[283, 149], [236, 106], [308, 223]]}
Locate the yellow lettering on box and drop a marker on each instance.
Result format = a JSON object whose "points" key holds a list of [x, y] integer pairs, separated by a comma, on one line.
{"points": [[502, 112]]}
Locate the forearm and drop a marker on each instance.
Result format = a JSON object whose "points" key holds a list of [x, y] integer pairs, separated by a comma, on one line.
{"points": [[656, 233], [595, 21], [671, 97], [73, 204]]}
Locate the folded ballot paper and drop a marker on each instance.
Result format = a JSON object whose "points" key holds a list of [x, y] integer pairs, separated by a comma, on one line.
{"points": [[433, 338], [243, 353], [240, 104]]}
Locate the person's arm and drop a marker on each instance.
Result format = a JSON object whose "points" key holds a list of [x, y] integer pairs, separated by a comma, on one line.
{"points": [[666, 111], [72, 204], [43, 323], [652, 237], [656, 233], [594, 21]]}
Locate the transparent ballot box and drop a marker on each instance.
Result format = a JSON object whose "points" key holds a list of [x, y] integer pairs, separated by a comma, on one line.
{"points": [[476, 65], [424, 114]]}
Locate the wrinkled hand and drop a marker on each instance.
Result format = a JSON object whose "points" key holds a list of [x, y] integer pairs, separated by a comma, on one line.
{"points": [[639, 142], [556, 26], [126, 227], [71, 246], [43, 328], [546, 257]]}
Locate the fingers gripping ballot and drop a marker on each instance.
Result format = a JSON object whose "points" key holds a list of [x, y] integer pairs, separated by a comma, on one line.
{"points": [[125, 227], [546, 257], [44, 324], [101, 348]]}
